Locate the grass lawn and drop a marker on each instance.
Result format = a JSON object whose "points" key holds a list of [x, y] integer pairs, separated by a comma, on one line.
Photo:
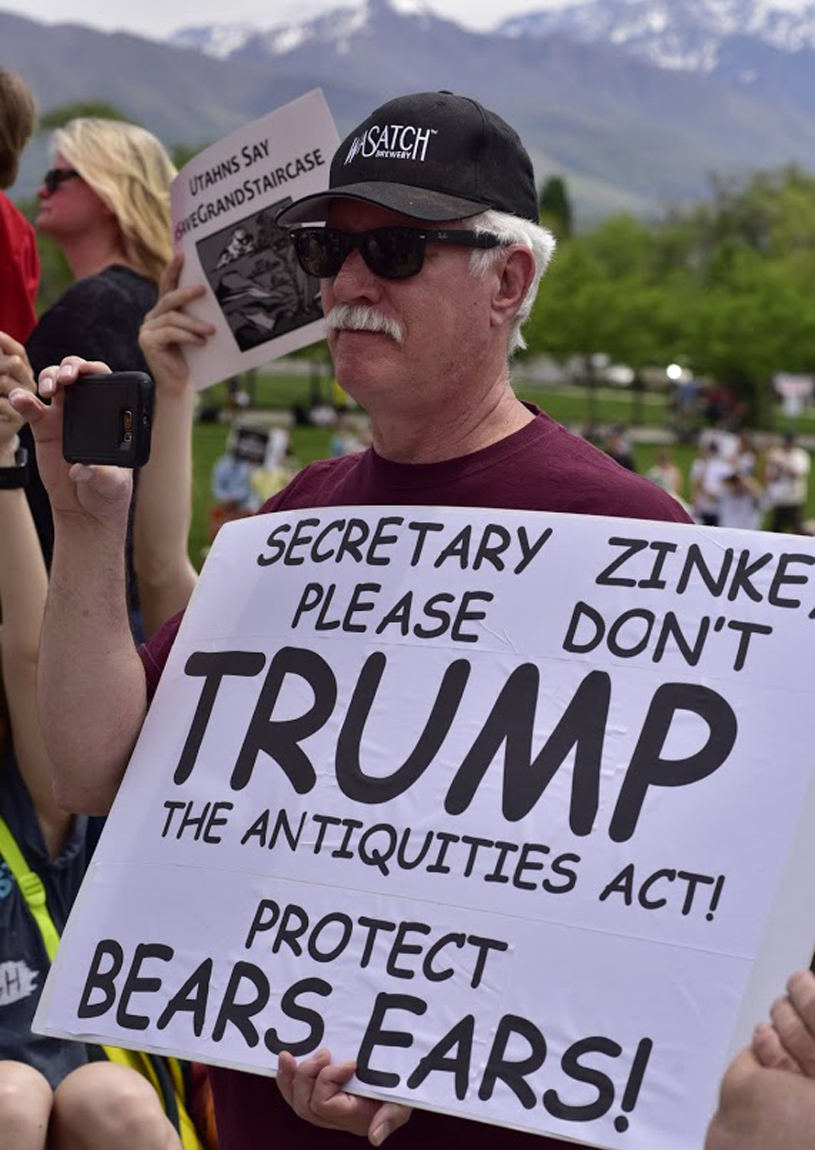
{"points": [[208, 443], [567, 405], [572, 406]]}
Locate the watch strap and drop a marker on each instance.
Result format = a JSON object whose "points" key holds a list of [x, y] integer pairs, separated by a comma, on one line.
{"points": [[16, 476]]}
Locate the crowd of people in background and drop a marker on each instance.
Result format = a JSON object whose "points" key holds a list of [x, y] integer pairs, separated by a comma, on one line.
{"points": [[105, 201], [736, 479], [732, 482]]}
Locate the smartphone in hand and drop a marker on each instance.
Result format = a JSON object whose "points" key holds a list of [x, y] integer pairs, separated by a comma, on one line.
{"points": [[108, 419]]}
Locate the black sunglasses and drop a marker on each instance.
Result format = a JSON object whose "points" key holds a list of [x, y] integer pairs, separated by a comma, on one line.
{"points": [[56, 176], [392, 253]]}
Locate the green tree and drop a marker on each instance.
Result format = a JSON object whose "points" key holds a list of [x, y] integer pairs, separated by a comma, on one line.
{"points": [[753, 321], [181, 154], [555, 207], [100, 109], [605, 295], [724, 286]]}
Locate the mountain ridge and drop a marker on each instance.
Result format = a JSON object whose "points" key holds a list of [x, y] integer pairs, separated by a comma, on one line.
{"points": [[747, 45], [626, 134]]}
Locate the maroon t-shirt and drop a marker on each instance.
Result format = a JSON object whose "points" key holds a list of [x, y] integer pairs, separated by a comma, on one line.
{"points": [[542, 467]]}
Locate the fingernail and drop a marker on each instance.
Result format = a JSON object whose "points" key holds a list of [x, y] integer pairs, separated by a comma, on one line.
{"points": [[66, 371], [82, 473], [47, 386], [380, 1134]]}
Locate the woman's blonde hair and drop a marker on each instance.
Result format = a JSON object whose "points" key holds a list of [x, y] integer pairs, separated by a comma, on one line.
{"points": [[130, 170], [18, 114]]}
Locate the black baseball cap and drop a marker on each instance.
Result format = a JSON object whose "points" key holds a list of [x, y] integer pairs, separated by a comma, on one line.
{"points": [[433, 156]]}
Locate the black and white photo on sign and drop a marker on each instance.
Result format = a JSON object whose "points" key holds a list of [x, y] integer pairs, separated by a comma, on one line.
{"points": [[261, 289]]}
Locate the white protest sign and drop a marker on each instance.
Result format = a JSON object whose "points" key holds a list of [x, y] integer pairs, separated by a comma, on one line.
{"points": [[224, 203], [514, 808]]}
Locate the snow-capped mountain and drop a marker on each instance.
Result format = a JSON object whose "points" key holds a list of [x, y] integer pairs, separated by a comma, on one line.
{"points": [[625, 133], [680, 34], [217, 40], [692, 35], [762, 47], [336, 27], [649, 94]]}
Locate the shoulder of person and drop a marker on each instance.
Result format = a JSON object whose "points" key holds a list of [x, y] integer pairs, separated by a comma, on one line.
{"points": [[93, 318], [641, 499], [63, 323], [599, 486], [126, 281], [121, 287], [11, 214], [106, 289], [88, 293]]}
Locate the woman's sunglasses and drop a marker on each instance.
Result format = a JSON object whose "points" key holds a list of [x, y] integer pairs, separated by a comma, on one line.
{"points": [[56, 176], [392, 253]]}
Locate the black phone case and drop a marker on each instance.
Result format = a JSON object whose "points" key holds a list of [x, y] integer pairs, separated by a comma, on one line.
{"points": [[108, 419]]}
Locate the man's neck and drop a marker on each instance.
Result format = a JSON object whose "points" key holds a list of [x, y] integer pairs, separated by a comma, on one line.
{"points": [[450, 434]]}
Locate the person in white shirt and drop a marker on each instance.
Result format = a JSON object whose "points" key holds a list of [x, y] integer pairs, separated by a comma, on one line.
{"points": [[740, 502], [707, 477], [787, 469]]}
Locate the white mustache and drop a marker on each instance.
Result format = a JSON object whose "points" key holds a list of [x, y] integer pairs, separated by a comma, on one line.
{"points": [[363, 317]]}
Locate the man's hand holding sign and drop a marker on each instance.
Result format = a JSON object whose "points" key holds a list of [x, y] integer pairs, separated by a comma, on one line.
{"points": [[471, 797], [314, 1090], [768, 1093]]}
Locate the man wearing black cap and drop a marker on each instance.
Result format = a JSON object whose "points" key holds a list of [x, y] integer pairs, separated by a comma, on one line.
{"points": [[429, 262], [429, 252]]}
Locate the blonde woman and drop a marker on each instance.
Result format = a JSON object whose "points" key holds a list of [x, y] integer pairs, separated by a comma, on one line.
{"points": [[106, 202]]}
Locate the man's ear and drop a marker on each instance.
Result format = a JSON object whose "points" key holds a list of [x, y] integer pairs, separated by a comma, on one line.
{"points": [[516, 273]]}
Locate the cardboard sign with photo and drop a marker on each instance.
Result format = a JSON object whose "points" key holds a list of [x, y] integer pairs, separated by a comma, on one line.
{"points": [[224, 203]]}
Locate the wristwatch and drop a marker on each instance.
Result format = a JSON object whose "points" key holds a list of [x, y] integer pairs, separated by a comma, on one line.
{"points": [[16, 476]]}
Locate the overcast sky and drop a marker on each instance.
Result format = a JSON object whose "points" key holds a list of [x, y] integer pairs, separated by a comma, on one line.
{"points": [[160, 17]]}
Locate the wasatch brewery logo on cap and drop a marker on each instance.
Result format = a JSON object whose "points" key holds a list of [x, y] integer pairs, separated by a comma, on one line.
{"points": [[431, 156], [391, 142]]}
